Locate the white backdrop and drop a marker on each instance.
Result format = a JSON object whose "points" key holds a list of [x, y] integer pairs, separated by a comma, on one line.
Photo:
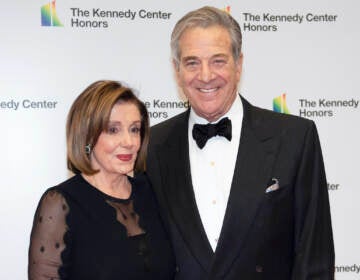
{"points": [[315, 63]]}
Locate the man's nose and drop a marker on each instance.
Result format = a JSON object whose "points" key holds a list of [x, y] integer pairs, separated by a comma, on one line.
{"points": [[206, 73]]}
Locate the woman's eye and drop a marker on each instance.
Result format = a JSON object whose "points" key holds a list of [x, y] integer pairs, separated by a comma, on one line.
{"points": [[112, 130], [135, 130]]}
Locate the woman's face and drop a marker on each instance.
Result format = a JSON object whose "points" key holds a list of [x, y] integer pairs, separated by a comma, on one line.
{"points": [[116, 149]]}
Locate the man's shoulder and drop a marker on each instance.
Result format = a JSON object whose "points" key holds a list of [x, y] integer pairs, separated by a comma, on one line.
{"points": [[278, 119], [166, 128]]}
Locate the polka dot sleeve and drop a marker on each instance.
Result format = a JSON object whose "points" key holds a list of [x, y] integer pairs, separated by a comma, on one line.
{"points": [[47, 237]]}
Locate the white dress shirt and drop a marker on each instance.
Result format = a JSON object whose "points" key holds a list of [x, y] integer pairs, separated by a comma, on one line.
{"points": [[212, 170]]}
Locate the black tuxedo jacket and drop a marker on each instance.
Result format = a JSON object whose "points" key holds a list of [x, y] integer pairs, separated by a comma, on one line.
{"points": [[283, 234]]}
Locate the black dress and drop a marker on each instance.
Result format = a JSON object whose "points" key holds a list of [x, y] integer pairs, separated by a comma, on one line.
{"points": [[81, 233]]}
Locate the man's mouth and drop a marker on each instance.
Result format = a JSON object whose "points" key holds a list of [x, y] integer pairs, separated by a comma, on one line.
{"points": [[208, 90]]}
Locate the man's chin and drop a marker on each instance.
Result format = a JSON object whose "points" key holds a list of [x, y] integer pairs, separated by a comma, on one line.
{"points": [[211, 115]]}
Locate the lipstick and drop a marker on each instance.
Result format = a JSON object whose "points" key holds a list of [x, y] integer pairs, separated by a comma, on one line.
{"points": [[125, 157]]}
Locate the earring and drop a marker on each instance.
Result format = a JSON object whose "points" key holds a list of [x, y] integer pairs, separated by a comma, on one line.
{"points": [[88, 149]]}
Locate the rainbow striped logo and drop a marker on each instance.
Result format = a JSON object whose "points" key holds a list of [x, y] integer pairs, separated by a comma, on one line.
{"points": [[226, 9], [49, 16], [279, 104]]}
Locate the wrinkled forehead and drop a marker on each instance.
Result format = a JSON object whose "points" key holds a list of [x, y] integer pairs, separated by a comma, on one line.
{"points": [[199, 40]]}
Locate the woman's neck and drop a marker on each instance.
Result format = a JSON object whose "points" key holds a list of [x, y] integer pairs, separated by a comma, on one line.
{"points": [[117, 185]]}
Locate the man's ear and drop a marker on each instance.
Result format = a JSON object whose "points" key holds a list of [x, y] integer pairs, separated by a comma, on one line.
{"points": [[176, 68], [238, 65]]}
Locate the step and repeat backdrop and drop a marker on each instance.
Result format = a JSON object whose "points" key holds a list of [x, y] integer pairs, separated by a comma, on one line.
{"points": [[300, 58]]}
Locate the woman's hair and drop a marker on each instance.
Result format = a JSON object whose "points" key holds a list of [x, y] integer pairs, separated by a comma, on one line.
{"points": [[89, 116]]}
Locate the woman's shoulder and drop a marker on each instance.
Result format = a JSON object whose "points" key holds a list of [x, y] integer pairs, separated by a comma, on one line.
{"points": [[52, 200], [55, 197], [71, 186], [70, 182]]}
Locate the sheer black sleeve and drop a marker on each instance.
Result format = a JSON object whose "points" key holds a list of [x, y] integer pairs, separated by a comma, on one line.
{"points": [[47, 237]]}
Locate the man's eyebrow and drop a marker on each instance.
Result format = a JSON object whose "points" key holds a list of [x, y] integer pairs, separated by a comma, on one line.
{"points": [[220, 55], [189, 58]]}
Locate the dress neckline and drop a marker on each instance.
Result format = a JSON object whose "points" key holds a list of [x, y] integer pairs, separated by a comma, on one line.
{"points": [[109, 197]]}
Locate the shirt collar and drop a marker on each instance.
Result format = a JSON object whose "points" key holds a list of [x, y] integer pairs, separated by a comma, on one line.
{"points": [[235, 113]]}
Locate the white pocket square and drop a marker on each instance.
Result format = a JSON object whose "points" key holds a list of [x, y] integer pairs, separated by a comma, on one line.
{"points": [[274, 185]]}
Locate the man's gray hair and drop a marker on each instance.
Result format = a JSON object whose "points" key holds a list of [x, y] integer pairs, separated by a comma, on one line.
{"points": [[206, 17]]}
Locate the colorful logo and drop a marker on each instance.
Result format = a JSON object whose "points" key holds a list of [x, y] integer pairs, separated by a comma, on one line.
{"points": [[279, 104], [48, 15], [226, 9]]}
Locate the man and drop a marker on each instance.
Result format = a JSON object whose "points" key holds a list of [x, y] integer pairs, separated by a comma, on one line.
{"points": [[245, 197]]}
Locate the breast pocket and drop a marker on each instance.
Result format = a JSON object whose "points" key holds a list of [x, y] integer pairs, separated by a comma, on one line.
{"points": [[278, 207]]}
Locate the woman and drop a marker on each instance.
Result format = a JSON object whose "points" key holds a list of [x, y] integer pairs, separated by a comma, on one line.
{"points": [[102, 223]]}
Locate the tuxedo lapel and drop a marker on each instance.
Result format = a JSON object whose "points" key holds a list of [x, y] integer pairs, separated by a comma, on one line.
{"points": [[178, 191], [257, 151]]}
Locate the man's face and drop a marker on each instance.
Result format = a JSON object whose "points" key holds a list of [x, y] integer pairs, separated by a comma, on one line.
{"points": [[207, 72]]}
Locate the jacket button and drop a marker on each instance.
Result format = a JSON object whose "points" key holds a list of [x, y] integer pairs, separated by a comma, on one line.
{"points": [[259, 268]]}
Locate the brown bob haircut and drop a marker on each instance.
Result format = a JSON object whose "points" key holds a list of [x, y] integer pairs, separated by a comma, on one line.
{"points": [[89, 116]]}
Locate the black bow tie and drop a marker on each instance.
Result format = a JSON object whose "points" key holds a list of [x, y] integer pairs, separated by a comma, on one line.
{"points": [[203, 132]]}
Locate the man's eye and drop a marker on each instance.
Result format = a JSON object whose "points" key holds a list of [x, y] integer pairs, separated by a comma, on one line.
{"points": [[219, 62], [191, 63]]}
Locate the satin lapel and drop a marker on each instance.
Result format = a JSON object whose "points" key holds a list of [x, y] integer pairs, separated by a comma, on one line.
{"points": [[178, 190], [256, 154]]}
